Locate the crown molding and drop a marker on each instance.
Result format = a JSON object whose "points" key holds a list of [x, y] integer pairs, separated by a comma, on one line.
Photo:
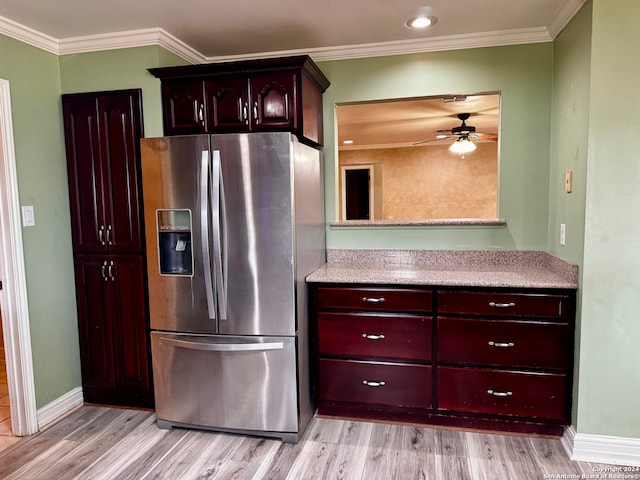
{"points": [[401, 47], [160, 37], [563, 15], [28, 35], [129, 39]]}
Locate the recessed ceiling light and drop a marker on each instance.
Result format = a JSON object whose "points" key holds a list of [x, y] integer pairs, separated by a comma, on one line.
{"points": [[421, 21]]}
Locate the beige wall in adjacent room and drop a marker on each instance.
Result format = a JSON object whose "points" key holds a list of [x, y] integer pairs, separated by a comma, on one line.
{"points": [[424, 183]]}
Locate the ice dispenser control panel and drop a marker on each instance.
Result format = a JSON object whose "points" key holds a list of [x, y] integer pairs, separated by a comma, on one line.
{"points": [[174, 242]]}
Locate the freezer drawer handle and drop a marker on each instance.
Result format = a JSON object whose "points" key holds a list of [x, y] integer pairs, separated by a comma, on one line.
{"points": [[499, 394], [223, 347], [372, 336], [502, 305], [373, 384], [502, 344], [373, 300]]}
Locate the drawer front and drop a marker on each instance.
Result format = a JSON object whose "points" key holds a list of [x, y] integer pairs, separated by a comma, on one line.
{"points": [[390, 336], [513, 343], [511, 304], [502, 392], [375, 299], [391, 384]]}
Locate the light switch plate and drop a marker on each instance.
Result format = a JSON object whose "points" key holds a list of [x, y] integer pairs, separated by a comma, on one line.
{"points": [[28, 217]]}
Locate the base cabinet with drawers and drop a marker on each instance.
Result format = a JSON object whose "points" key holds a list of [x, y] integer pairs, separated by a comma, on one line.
{"points": [[498, 359]]}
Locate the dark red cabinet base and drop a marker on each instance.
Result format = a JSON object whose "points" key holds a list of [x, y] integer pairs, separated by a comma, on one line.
{"points": [[475, 358]]}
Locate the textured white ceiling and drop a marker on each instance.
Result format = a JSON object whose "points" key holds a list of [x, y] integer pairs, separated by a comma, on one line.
{"points": [[217, 28]]}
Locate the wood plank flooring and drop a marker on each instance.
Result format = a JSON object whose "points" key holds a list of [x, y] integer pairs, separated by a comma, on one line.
{"points": [[97, 443]]}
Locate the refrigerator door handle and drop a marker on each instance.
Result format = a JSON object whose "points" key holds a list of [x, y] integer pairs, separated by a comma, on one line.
{"points": [[217, 236], [204, 222], [223, 347]]}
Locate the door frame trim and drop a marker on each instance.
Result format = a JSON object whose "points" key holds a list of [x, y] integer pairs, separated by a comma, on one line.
{"points": [[13, 297]]}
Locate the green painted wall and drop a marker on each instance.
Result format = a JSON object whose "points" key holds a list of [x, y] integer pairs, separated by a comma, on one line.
{"points": [[569, 144], [37, 79], [120, 69], [523, 75], [609, 360], [34, 78]]}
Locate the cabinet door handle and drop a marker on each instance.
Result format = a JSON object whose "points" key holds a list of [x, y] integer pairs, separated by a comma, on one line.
{"points": [[245, 113], [502, 344], [201, 114], [373, 336], [256, 119], [101, 234], [110, 270], [372, 384], [502, 305], [499, 394], [109, 234], [373, 300], [103, 270]]}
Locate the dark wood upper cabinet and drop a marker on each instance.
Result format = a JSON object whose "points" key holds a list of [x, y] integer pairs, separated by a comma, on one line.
{"points": [[273, 102], [184, 107], [102, 135], [228, 105], [281, 94]]}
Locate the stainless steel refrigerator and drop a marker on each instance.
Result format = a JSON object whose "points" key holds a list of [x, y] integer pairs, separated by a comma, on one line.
{"points": [[234, 223]]}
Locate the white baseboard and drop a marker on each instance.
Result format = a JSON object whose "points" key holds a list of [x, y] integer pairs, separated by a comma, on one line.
{"points": [[60, 407], [584, 447]]}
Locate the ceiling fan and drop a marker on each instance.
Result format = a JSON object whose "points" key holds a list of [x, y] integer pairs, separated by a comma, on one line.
{"points": [[462, 135]]}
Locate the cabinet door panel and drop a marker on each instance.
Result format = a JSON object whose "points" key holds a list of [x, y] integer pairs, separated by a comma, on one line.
{"points": [[94, 323], [505, 303], [392, 336], [510, 343], [184, 107], [229, 105], [375, 299], [395, 384], [121, 123], [126, 283], [82, 142], [506, 392], [273, 102]]}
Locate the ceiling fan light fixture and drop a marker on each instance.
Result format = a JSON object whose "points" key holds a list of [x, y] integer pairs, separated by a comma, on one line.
{"points": [[420, 22], [462, 146]]}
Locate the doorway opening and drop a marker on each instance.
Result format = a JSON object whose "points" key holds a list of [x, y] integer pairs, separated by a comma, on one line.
{"points": [[361, 192], [13, 295]]}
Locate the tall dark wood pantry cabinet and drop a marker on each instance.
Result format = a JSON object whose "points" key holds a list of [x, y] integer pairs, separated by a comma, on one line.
{"points": [[102, 136]]}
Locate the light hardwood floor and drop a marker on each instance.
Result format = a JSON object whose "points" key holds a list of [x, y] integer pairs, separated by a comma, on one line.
{"points": [[103, 444]]}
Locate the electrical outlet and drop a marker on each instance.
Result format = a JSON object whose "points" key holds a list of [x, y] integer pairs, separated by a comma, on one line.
{"points": [[563, 234]]}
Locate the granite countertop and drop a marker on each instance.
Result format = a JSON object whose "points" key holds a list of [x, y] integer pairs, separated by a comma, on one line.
{"points": [[473, 268]]}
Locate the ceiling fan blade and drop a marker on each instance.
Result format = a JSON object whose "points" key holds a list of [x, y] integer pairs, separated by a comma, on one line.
{"points": [[428, 141]]}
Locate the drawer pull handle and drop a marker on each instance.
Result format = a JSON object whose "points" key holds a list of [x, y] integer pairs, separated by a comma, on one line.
{"points": [[372, 336], [499, 394], [502, 344], [372, 384], [373, 300], [502, 305]]}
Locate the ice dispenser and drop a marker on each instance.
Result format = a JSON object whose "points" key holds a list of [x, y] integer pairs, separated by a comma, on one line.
{"points": [[174, 242]]}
